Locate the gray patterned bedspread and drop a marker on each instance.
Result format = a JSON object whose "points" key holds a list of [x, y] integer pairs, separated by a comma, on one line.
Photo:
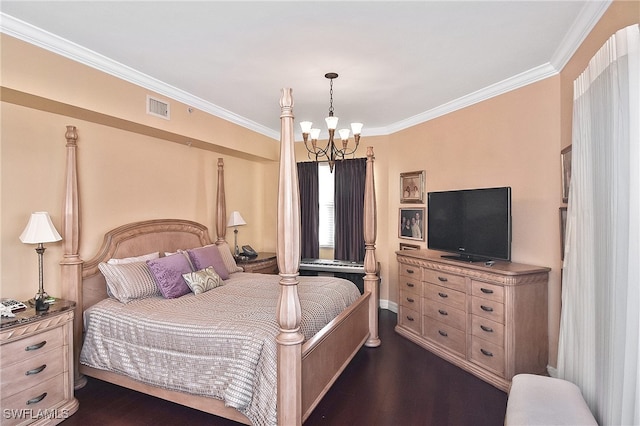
{"points": [[220, 343]]}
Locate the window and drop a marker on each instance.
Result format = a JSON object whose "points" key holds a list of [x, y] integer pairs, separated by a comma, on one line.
{"points": [[326, 205]]}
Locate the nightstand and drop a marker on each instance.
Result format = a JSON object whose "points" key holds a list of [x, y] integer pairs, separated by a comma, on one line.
{"points": [[264, 263], [36, 366]]}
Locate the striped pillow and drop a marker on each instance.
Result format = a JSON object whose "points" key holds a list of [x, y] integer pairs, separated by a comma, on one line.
{"points": [[129, 281], [203, 280], [227, 258]]}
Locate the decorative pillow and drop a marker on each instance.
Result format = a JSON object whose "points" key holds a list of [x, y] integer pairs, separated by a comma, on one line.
{"points": [[167, 272], [203, 280], [227, 257], [203, 257], [129, 281], [142, 258]]}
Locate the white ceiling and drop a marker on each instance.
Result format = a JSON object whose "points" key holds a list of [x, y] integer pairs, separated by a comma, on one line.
{"points": [[400, 62]]}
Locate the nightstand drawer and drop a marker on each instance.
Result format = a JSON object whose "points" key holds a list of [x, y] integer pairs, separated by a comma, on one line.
{"points": [[41, 397], [32, 371], [31, 346]]}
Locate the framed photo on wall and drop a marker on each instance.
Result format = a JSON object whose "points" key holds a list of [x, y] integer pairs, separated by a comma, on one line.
{"points": [[565, 157], [411, 223], [404, 246], [563, 229], [412, 187]]}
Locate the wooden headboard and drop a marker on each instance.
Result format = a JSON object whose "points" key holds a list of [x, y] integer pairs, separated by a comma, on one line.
{"points": [[135, 239]]}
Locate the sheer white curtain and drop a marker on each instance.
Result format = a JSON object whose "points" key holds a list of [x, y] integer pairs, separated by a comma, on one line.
{"points": [[599, 346]]}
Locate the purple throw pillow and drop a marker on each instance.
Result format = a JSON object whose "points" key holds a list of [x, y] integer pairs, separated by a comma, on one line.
{"points": [[167, 272], [203, 257]]}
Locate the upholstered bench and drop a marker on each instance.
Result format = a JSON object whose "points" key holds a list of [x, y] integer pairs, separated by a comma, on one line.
{"points": [[541, 400]]}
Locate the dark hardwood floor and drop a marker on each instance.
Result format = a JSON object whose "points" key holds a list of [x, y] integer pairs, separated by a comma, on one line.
{"points": [[398, 383]]}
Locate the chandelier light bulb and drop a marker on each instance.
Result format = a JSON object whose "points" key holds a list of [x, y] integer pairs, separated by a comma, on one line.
{"points": [[344, 134], [332, 122], [315, 133], [305, 126], [356, 128]]}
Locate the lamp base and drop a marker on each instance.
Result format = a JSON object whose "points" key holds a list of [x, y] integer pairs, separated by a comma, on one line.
{"points": [[39, 301]]}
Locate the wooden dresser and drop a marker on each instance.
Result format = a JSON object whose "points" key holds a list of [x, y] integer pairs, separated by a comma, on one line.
{"points": [[489, 320], [36, 369]]}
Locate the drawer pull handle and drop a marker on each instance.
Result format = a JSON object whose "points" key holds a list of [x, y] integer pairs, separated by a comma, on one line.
{"points": [[410, 300], [443, 333], [36, 399], [36, 346], [410, 271], [443, 279], [442, 312], [486, 308], [487, 329], [35, 370], [410, 318], [485, 352], [443, 295], [410, 285], [486, 290]]}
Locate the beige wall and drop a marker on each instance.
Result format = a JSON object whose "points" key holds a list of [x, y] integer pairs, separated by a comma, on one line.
{"points": [[135, 167], [131, 166]]}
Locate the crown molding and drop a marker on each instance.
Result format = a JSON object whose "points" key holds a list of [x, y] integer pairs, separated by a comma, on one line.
{"points": [[53, 43], [523, 79], [582, 26]]}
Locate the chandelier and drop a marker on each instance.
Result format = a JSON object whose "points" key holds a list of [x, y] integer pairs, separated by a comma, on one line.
{"points": [[330, 152]]}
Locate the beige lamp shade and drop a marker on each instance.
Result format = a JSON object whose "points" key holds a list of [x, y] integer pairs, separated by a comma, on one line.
{"points": [[235, 219], [40, 229]]}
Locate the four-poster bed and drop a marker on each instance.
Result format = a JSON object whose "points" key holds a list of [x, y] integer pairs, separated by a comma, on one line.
{"points": [[306, 366]]}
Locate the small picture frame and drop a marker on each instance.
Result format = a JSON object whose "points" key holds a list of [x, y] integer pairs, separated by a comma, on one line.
{"points": [[563, 229], [404, 246], [412, 187], [411, 223], [565, 158]]}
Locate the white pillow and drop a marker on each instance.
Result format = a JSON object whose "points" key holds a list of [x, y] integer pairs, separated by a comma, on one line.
{"points": [[227, 258], [134, 259], [129, 281]]}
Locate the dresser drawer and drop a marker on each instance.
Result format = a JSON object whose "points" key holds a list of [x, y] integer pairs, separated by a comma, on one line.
{"points": [[410, 319], [410, 271], [410, 285], [449, 337], [33, 370], [454, 298], [445, 313], [487, 291], [410, 300], [41, 397], [487, 354], [487, 330], [31, 346], [487, 309], [445, 279]]}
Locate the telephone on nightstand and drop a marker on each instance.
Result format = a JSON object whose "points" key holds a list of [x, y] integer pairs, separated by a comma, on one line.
{"points": [[248, 251]]}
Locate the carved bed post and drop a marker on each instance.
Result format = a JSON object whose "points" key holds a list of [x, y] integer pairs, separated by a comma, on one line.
{"points": [[71, 264], [288, 312], [370, 263], [221, 206]]}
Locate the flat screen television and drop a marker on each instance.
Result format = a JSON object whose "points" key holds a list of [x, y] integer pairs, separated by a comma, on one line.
{"points": [[475, 224]]}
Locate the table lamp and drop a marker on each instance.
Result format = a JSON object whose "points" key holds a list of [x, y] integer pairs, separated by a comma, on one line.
{"points": [[236, 220], [40, 230]]}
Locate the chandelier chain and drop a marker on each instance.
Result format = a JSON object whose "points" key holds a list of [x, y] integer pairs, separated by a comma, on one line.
{"points": [[331, 97]]}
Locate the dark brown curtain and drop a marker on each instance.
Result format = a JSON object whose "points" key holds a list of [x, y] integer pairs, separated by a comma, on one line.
{"points": [[309, 209], [349, 208]]}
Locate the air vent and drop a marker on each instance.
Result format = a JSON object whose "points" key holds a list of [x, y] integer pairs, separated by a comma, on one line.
{"points": [[158, 107]]}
